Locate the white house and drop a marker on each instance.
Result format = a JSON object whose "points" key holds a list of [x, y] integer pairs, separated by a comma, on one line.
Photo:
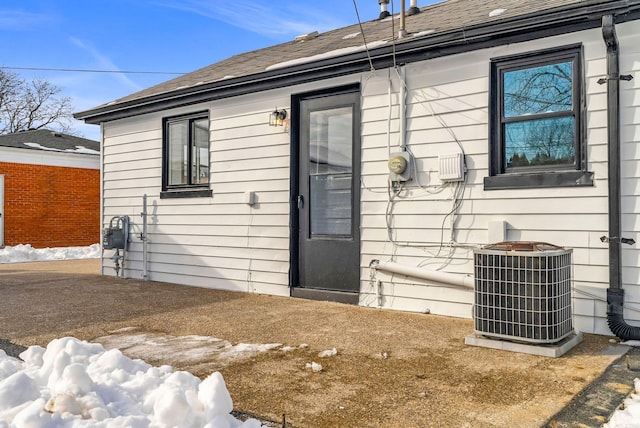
{"points": [[406, 145]]}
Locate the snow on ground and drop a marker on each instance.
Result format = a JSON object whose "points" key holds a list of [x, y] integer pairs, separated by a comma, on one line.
{"points": [[73, 384], [628, 415], [26, 253]]}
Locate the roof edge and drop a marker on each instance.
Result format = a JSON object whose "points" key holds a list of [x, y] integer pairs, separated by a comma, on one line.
{"points": [[521, 28]]}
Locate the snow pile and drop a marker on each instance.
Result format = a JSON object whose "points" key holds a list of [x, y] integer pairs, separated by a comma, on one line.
{"points": [[26, 253], [75, 384], [628, 415]]}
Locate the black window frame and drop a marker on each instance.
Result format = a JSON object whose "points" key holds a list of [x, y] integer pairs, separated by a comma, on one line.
{"points": [[188, 190], [543, 176]]}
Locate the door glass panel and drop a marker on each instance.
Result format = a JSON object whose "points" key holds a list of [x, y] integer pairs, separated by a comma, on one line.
{"points": [[330, 171]]}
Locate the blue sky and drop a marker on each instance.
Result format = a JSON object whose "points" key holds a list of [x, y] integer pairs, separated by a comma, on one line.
{"points": [[151, 35]]}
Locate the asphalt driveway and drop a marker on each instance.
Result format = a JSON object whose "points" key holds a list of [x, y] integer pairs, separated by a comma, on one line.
{"points": [[390, 368]]}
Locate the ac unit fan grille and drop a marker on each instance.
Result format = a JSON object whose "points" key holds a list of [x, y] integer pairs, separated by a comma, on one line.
{"points": [[524, 296]]}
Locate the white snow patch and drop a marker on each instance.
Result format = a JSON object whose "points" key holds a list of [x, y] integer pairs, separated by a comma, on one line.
{"points": [[328, 353], [26, 253], [74, 384], [330, 54], [83, 149], [190, 349], [629, 415], [78, 149], [351, 36], [314, 366], [423, 33], [496, 12]]}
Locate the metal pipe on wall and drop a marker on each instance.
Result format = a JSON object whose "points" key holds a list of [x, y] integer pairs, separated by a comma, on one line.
{"points": [[403, 107], [402, 33], [144, 239]]}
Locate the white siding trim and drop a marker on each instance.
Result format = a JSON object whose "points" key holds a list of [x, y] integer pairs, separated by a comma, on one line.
{"points": [[45, 158]]}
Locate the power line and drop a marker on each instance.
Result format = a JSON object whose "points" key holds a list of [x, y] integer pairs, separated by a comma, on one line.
{"points": [[81, 70]]}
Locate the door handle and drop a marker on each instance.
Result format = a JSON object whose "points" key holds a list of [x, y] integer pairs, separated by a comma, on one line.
{"points": [[300, 202]]}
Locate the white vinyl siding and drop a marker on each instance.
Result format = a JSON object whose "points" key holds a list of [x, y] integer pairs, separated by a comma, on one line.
{"points": [[221, 242], [457, 87]]}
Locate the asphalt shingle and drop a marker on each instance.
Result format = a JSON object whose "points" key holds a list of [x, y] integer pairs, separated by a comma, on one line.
{"points": [[45, 139]]}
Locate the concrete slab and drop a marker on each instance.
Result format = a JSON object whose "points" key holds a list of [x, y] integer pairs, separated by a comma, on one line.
{"points": [[553, 350], [391, 368]]}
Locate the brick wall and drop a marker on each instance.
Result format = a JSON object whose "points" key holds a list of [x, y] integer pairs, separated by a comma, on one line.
{"points": [[50, 206]]}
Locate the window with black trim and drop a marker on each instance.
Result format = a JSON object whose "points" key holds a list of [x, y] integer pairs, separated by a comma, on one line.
{"points": [[186, 156], [536, 107]]}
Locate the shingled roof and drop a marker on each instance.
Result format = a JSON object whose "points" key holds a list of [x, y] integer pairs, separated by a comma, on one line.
{"points": [[44, 139], [444, 28]]}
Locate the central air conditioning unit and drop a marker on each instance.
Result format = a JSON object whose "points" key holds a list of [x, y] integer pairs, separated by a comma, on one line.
{"points": [[523, 292]]}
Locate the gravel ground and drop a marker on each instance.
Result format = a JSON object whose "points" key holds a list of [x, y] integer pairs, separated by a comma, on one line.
{"points": [[11, 349], [391, 369]]}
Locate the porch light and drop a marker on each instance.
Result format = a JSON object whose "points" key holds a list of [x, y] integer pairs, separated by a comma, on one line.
{"points": [[277, 117]]}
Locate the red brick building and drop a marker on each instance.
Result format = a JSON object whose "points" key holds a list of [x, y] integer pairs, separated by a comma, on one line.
{"points": [[49, 190]]}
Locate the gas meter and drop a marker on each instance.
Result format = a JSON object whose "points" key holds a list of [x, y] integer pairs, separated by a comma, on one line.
{"points": [[117, 234]]}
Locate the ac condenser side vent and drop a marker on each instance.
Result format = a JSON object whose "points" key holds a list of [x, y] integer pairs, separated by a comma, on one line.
{"points": [[523, 292]]}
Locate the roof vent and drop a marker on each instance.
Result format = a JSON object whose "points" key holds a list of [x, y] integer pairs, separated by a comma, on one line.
{"points": [[383, 9], [56, 134], [308, 36], [413, 9]]}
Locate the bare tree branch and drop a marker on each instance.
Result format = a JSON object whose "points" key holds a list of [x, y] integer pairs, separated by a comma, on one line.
{"points": [[32, 105]]}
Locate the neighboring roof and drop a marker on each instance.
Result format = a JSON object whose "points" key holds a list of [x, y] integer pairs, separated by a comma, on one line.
{"points": [[452, 26], [44, 139]]}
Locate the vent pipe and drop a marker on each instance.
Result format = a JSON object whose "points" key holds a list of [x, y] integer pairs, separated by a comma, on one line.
{"points": [[402, 33], [459, 280], [413, 9], [615, 292], [383, 9]]}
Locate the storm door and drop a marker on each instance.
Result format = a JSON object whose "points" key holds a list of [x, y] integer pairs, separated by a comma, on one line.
{"points": [[328, 196]]}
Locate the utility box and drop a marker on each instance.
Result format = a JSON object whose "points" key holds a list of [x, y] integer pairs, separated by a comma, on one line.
{"points": [[523, 292]]}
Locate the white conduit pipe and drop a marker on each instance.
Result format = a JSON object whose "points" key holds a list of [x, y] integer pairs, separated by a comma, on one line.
{"points": [[431, 275], [403, 108]]}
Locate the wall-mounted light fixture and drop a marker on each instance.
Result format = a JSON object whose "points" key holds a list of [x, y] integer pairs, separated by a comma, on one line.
{"points": [[277, 117]]}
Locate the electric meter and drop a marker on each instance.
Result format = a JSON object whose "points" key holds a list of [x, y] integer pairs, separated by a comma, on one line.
{"points": [[397, 164], [399, 167]]}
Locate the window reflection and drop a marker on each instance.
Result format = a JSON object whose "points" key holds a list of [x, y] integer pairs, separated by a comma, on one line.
{"points": [[539, 128], [187, 151]]}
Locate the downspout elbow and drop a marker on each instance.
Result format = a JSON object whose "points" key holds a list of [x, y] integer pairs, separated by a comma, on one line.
{"points": [[615, 316]]}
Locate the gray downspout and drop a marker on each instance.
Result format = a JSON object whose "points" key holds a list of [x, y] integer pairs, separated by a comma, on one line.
{"points": [[615, 292]]}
